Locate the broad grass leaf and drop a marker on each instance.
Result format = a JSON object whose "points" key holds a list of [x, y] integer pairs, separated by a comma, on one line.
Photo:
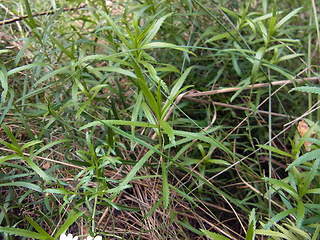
{"points": [[62, 191], [37, 169], [165, 185], [4, 84], [313, 190], [179, 83], [285, 186], [22, 184], [133, 171], [23, 233], [286, 18], [31, 22], [221, 36], [307, 89], [250, 232], [38, 228], [116, 30], [65, 70], [118, 122], [246, 81], [135, 112], [153, 31], [300, 213], [72, 217], [252, 225], [278, 69], [279, 217], [149, 96], [200, 136], [154, 207], [257, 61], [62, 48], [276, 150], [31, 143], [271, 233], [187, 225], [50, 145], [117, 70], [167, 130], [8, 107], [288, 57], [165, 45], [25, 67], [214, 236], [10, 157], [12, 138], [305, 158]]}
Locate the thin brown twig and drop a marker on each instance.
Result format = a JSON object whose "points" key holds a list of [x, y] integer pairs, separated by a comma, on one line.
{"points": [[258, 85], [19, 18]]}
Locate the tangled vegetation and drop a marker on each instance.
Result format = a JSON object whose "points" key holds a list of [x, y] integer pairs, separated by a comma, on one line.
{"points": [[152, 119]]}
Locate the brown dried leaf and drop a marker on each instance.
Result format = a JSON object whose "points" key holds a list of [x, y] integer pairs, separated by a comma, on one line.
{"points": [[303, 127]]}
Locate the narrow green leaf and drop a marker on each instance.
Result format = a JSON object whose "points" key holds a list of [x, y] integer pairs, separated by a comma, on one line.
{"points": [[38, 228], [214, 236], [307, 89], [22, 184], [31, 21], [222, 36], [305, 158], [151, 34], [166, 45], [149, 96], [21, 51], [22, 233], [246, 82], [286, 18], [116, 30], [313, 190], [300, 213], [288, 57], [183, 194], [165, 185], [257, 61], [60, 70], [168, 130], [119, 122], [250, 232], [50, 145], [31, 143], [12, 138], [117, 70], [276, 150], [154, 207], [4, 84], [135, 169], [25, 67], [179, 83], [72, 217], [271, 233], [285, 186], [38, 170], [10, 157], [134, 116], [62, 48]]}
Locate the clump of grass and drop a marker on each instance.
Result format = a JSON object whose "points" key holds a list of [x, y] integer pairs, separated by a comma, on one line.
{"points": [[145, 121]]}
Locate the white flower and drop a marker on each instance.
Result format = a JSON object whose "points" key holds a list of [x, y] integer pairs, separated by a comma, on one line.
{"points": [[96, 238], [69, 237]]}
